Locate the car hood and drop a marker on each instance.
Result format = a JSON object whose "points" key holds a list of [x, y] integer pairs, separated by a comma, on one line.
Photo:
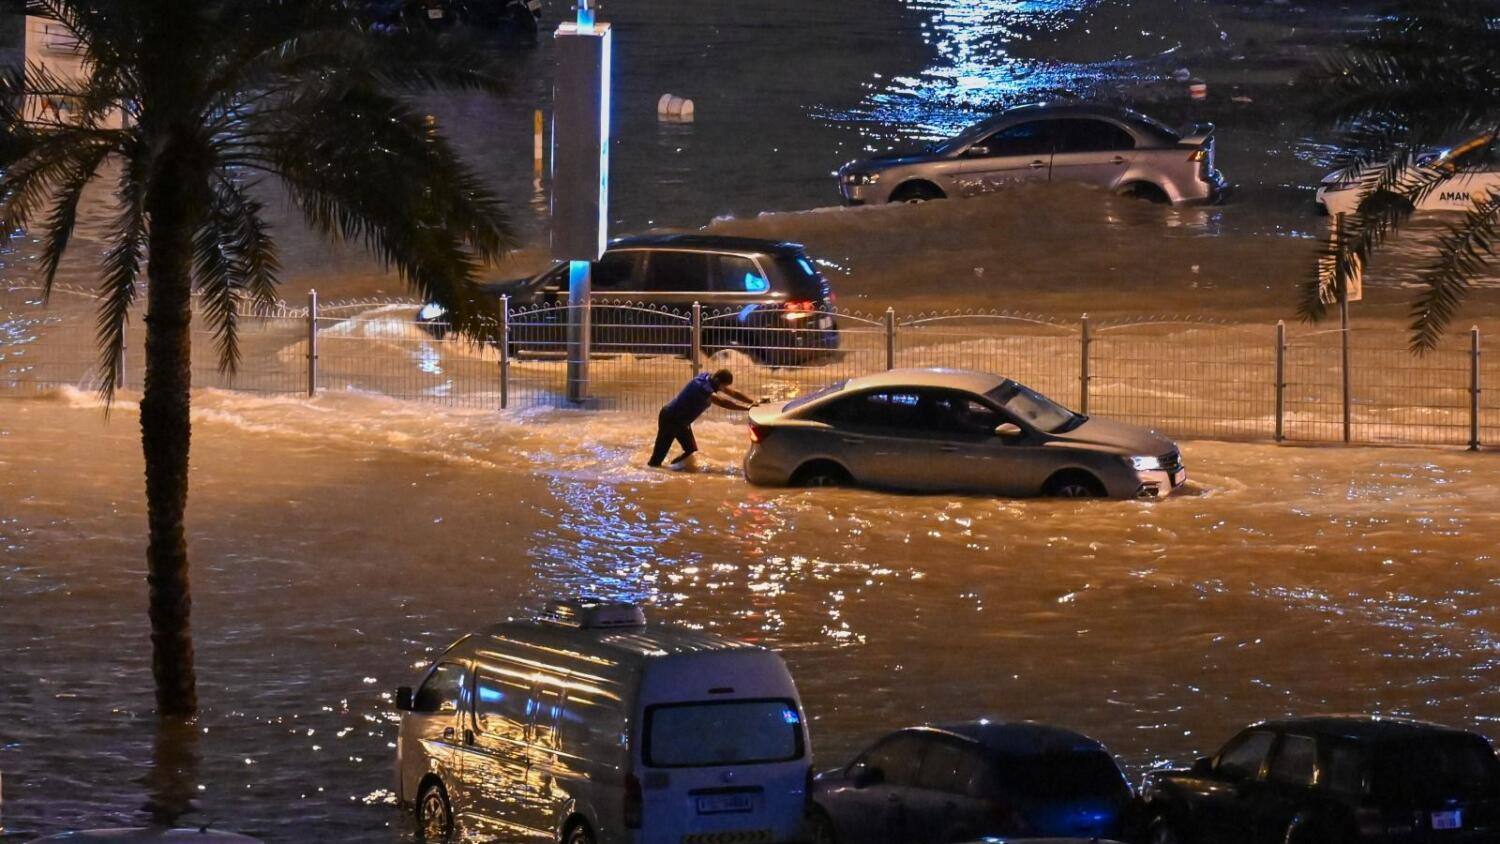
{"points": [[890, 159], [1118, 436]]}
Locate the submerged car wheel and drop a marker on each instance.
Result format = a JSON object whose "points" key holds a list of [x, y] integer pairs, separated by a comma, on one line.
{"points": [[822, 473], [580, 834], [1147, 191], [434, 815], [1073, 485], [917, 192]]}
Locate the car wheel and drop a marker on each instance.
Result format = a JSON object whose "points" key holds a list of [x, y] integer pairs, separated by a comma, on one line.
{"points": [[1073, 485], [822, 474], [580, 834], [1162, 831], [1147, 191], [917, 192], [434, 815], [820, 828]]}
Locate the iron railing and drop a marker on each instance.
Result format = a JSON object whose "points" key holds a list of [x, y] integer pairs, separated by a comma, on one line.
{"points": [[1185, 376]]}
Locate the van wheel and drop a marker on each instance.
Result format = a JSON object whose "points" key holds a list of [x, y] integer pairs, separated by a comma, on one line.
{"points": [[820, 828], [434, 815], [1073, 485], [580, 834]]}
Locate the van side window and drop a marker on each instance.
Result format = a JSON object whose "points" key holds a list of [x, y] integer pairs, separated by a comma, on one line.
{"points": [[590, 718], [502, 704], [442, 691]]}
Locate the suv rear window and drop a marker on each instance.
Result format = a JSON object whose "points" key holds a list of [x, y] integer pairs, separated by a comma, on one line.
{"points": [[803, 279], [1436, 769], [730, 732]]}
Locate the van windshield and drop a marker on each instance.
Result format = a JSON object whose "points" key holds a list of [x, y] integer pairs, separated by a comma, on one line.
{"points": [[730, 732]]}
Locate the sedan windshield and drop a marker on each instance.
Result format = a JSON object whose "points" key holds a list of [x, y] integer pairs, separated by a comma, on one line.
{"points": [[1037, 410]]}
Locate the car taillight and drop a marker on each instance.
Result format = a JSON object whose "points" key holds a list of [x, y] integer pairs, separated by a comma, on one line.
{"points": [[632, 802], [799, 309], [1199, 154], [758, 433]]}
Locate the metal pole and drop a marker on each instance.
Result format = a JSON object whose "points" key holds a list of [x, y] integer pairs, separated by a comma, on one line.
{"points": [[1344, 363], [1474, 388], [890, 338], [1280, 380], [312, 342], [1083, 367], [697, 344], [504, 351], [580, 330]]}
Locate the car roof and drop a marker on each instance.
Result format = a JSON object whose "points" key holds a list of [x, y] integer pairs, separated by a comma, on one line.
{"points": [[1075, 109], [1371, 728], [933, 377], [1019, 738], [708, 242], [629, 644]]}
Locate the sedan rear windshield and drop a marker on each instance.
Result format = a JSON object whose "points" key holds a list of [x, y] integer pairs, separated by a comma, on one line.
{"points": [[828, 390], [1035, 409], [730, 732], [1436, 769], [1061, 776]]}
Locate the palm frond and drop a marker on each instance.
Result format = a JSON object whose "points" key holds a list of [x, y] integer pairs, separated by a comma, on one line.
{"points": [[57, 230], [1463, 254], [122, 265], [234, 257]]}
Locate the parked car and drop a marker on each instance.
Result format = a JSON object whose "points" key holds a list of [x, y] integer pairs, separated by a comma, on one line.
{"points": [[765, 297], [513, 16], [1468, 171], [1114, 148], [590, 726], [952, 430], [148, 835], [1332, 780], [933, 785]]}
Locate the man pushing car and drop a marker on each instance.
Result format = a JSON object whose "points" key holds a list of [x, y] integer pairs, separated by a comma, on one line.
{"points": [[675, 421]]}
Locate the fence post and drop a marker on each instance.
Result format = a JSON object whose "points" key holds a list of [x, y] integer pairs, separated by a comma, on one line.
{"points": [[504, 351], [1083, 367], [1344, 374], [1280, 380], [1474, 388], [890, 338], [312, 342], [697, 348]]}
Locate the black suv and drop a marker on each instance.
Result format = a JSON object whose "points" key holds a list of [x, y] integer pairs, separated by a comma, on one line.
{"points": [[1332, 780], [765, 297]]}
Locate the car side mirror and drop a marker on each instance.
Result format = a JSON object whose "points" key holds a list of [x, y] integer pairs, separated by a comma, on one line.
{"points": [[865, 775], [404, 699], [1203, 766], [1008, 429]]}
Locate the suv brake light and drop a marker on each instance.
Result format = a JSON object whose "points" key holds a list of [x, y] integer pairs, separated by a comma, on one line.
{"points": [[799, 309]]}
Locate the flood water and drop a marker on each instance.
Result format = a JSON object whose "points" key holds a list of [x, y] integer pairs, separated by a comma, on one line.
{"points": [[339, 543]]}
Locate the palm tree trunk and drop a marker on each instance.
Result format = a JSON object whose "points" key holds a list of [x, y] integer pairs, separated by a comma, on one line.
{"points": [[165, 430]]}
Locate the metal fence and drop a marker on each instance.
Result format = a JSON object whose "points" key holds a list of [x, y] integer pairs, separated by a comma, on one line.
{"points": [[1186, 377]]}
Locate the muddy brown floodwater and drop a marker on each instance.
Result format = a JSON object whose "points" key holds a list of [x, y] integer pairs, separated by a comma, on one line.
{"points": [[339, 543]]}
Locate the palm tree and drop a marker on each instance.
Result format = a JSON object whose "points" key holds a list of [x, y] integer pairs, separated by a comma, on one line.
{"points": [[1426, 73], [216, 95]]}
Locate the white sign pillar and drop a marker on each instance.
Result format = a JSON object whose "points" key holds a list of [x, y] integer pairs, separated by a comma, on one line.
{"points": [[580, 174]]}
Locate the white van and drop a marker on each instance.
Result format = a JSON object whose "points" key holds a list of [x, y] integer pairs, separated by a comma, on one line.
{"points": [[590, 726]]}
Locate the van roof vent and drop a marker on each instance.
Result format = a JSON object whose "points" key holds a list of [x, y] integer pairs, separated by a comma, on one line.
{"points": [[590, 614]]}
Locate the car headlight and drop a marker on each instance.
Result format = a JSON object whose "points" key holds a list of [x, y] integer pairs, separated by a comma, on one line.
{"points": [[1146, 464], [431, 310], [861, 178]]}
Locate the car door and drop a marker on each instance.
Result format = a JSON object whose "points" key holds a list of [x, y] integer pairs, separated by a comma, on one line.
{"points": [[941, 807], [1092, 151], [1474, 169], [1287, 787], [1223, 812], [1017, 154], [876, 812], [976, 454], [732, 311], [496, 758], [884, 439], [615, 325], [549, 769], [430, 731]]}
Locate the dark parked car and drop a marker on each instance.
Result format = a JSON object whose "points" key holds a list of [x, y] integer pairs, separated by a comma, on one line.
{"points": [[518, 17], [971, 780], [763, 296], [1332, 780]]}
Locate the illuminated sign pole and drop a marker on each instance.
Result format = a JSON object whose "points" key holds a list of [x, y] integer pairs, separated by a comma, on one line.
{"points": [[580, 173]]}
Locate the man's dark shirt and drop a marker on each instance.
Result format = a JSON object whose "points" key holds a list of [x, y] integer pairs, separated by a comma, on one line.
{"points": [[693, 400]]}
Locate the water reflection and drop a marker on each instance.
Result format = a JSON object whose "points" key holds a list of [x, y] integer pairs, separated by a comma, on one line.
{"points": [[171, 783]]}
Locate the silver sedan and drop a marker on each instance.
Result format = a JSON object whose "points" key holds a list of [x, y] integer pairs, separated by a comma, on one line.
{"points": [[946, 430], [1113, 148]]}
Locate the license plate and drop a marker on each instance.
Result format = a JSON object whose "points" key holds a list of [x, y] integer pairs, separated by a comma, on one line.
{"points": [[1448, 820], [435, 14], [721, 803]]}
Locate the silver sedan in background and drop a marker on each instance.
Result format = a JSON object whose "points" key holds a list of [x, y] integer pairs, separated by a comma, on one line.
{"points": [[947, 430], [1113, 148]]}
